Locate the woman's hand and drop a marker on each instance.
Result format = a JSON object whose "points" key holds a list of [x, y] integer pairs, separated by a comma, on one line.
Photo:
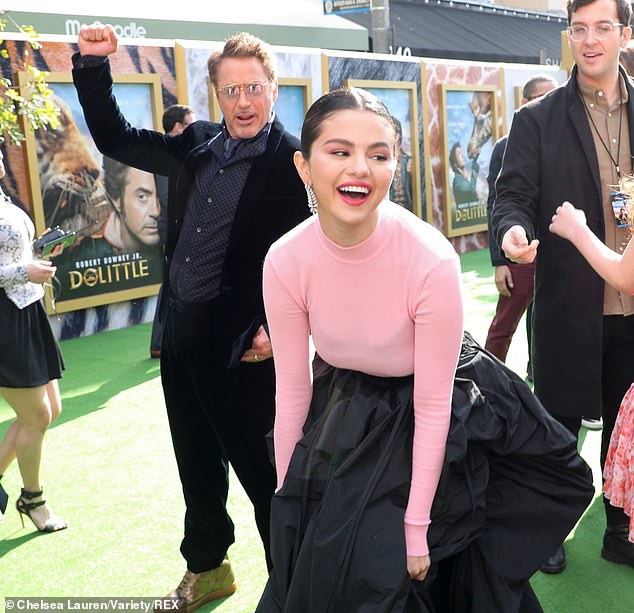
{"points": [[40, 271], [57, 250], [417, 567], [568, 222]]}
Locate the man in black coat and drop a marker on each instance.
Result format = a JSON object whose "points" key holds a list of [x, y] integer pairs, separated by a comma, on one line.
{"points": [[233, 190], [575, 144]]}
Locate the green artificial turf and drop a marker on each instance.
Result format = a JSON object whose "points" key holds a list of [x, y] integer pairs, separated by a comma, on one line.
{"points": [[109, 470]]}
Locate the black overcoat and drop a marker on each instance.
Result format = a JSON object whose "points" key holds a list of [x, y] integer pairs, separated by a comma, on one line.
{"points": [[550, 157], [273, 200]]}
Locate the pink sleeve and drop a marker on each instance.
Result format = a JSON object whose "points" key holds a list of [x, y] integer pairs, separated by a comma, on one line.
{"points": [[289, 332], [438, 336]]}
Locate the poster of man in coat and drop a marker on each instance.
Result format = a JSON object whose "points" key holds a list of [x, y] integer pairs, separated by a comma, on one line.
{"points": [[111, 209]]}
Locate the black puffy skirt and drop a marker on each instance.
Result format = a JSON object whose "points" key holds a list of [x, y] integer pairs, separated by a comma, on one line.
{"points": [[29, 354], [511, 488]]}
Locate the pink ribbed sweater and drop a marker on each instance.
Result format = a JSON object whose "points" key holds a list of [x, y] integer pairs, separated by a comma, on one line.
{"points": [[389, 306]]}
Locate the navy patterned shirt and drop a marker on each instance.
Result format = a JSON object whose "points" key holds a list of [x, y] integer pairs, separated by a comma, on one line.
{"points": [[197, 263]]}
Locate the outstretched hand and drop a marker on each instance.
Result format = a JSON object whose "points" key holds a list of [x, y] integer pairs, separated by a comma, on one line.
{"points": [[97, 39], [516, 247]]}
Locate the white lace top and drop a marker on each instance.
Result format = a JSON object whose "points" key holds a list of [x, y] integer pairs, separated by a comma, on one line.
{"points": [[16, 235]]}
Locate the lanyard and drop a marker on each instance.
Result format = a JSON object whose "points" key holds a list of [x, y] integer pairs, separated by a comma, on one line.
{"points": [[618, 147]]}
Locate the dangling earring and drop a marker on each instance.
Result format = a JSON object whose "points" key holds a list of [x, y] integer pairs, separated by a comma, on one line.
{"points": [[312, 199]]}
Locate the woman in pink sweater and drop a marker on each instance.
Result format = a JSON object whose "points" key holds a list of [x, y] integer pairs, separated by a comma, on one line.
{"points": [[358, 450]]}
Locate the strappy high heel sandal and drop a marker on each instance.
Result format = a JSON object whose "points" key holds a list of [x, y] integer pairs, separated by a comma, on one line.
{"points": [[24, 507]]}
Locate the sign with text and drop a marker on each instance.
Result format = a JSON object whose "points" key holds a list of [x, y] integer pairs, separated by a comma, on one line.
{"points": [[345, 6]]}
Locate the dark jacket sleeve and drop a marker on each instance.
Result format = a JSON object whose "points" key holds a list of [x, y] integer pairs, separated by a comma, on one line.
{"points": [[497, 259], [147, 150], [518, 185]]}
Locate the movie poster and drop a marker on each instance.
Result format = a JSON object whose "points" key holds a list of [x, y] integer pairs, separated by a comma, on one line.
{"points": [[112, 209], [470, 122]]}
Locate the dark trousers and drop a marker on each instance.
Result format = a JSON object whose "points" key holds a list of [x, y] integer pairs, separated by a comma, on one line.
{"points": [[509, 311], [617, 374], [217, 416]]}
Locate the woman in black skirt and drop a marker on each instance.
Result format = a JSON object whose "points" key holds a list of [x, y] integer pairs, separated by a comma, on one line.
{"points": [[404, 485], [30, 361]]}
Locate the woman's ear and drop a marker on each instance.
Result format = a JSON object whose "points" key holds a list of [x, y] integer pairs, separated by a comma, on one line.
{"points": [[302, 167]]}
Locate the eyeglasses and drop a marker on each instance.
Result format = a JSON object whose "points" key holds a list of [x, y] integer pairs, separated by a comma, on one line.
{"points": [[255, 89], [601, 32]]}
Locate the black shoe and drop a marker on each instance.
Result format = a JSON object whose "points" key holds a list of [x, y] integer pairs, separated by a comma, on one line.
{"points": [[616, 547], [556, 563], [25, 505]]}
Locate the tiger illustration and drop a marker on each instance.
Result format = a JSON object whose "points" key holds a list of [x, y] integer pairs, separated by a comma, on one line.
{"points": [[53, 57], [73, 194]]}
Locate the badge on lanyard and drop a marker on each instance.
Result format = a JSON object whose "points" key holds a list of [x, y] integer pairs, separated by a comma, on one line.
{"points": [[621, 203]]}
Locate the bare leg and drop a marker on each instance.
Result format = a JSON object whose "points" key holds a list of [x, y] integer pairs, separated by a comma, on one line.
{"points": [[34, 411], [7, 445], [54, 398]]}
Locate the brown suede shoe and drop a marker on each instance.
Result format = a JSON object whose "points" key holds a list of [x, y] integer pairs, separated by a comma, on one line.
{"points": [[196, 589]]}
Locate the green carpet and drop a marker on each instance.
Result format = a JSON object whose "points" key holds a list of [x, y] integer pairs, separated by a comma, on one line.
{"points": [[109, 470]]}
